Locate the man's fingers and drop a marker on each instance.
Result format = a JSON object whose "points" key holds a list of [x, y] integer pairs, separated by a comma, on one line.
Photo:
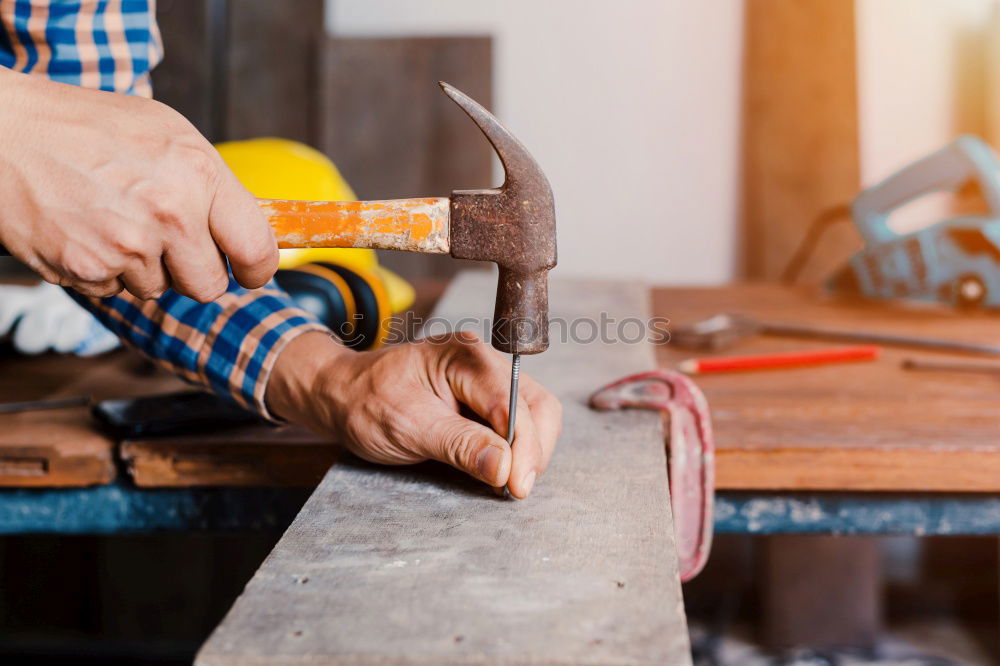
{"points": [[469, 447], [92, 289], [480, 379], [242, 233], [146, 281], [527, 453], [104, 289], [197, 270], [546, 412]]}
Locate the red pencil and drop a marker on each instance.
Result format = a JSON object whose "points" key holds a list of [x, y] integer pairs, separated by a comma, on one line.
{"points": [[700, 366]]}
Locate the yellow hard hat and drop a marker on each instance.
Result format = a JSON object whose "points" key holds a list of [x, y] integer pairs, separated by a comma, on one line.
{"points": [[282, 169]]}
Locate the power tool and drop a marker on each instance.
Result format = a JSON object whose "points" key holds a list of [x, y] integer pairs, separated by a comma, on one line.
{"points": [[956, 260]]}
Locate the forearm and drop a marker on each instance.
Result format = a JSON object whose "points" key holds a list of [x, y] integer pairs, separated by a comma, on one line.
{"points": [[293, 386], [229, 346]]}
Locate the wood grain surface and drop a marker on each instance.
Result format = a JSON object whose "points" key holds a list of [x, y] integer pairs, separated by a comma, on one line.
{"points": [[861, 426], [63, 447], [800, 131], [269, 69], [239, 70], [54, 448], [394, 135], [869, 426], [422, 565], [256, 455], [187, 79]]}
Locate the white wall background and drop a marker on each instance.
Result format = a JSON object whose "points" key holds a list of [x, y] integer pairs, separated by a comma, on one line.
{"points": [[922, 80], [631, 107]]}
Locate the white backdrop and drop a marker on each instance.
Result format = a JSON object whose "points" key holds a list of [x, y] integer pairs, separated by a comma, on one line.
{"points": [[922, 80], [631, 107]]}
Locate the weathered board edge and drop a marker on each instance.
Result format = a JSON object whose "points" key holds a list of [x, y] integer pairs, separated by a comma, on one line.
{"points": [[220, 648]]}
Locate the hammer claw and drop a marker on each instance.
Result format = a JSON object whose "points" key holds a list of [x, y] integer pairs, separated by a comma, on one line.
{"points": [[516, 159], [513, 225]]}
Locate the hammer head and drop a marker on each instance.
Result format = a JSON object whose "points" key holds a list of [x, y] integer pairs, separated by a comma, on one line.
{"points": [[513, 225]]}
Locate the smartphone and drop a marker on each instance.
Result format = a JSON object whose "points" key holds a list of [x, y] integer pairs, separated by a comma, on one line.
{"points": [[169, 414]]}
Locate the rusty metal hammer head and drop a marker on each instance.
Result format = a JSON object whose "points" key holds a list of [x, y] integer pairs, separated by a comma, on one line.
{"points": [[513, 225]]}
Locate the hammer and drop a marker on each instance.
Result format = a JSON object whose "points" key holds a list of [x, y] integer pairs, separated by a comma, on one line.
{"points": [[513, 225]]}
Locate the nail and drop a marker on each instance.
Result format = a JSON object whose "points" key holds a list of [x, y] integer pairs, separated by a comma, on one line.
{"points": [[529, 481], [488, 462]]}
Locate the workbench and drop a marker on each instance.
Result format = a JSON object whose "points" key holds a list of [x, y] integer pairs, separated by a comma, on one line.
{"points": [[860, 448], [852, 449], [847, 427], [865, 448]]}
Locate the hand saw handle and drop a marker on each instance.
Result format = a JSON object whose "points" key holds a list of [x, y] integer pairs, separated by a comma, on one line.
{"points": [[411, 225]]}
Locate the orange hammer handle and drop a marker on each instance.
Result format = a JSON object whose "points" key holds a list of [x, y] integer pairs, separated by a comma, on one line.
{"points": [[412, 225]]}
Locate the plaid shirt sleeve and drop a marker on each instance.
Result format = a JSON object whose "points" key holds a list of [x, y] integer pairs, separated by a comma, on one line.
{"points": [[229, 346]]}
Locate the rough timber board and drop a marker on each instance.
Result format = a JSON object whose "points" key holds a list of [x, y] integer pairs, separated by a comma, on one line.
{"points": [[421, 566]]}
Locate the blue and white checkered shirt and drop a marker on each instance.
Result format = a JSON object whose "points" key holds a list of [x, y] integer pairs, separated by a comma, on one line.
{"points": [[229, 346]]}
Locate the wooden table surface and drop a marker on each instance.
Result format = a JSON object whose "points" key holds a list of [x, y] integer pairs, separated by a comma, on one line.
{"points": [[857, 426], [63, 447]]}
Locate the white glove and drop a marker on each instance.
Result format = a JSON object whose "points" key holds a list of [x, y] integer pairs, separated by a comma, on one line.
{"points": [[44, 317]]}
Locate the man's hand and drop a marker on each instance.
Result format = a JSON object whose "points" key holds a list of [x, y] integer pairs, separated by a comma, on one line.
{"points": [[102, 191], [403, 404]]}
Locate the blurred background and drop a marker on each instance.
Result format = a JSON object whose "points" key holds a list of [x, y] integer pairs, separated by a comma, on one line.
{"points": [[702, 138], [715, 115]]}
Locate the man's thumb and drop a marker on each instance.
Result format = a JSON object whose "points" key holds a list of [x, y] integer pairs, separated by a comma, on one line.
{"points": [[471, 448]]}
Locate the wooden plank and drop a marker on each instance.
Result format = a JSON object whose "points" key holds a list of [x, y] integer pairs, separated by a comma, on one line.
{"points": [[252, 456], [186, 79], [241, 69], [257, 455], [821, 591], [421, 565], [64, 447], [864, 426], [271, 69], [388, 126], [391, 131], [57, 447], [800, 132]]}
